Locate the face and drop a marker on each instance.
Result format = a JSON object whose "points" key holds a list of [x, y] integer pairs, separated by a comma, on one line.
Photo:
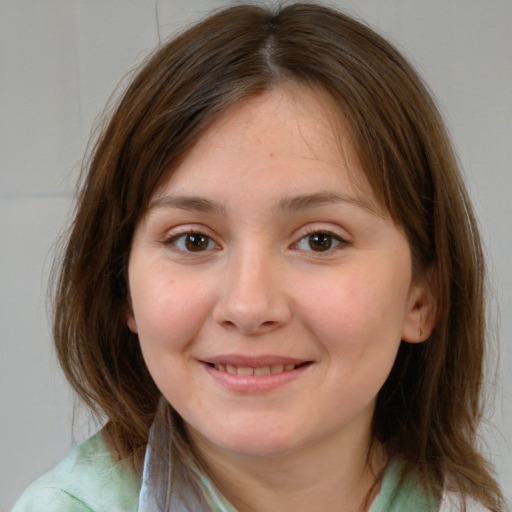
{"points": [[269, 292]]}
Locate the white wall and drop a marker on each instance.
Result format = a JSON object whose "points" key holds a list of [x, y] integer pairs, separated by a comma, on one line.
{"points": [[59, 62]]}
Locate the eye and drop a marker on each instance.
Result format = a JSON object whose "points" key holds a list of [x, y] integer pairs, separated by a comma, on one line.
{"points": [[319, 241], [192, 242]]}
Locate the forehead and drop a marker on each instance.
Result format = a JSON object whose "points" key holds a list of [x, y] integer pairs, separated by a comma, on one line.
{"points": [[282, 137], [299, 113]]}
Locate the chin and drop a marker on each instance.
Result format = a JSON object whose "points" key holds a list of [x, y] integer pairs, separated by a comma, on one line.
{"points": [[250, 442], [246, 441]]}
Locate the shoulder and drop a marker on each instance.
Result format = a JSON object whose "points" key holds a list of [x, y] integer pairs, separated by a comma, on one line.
{"points": [[87, 480], [453, 502]]}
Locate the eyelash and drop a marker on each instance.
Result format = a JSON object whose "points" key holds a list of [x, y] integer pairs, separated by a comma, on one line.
{"points": [[330, 237], [174, 239], [340, 242]]}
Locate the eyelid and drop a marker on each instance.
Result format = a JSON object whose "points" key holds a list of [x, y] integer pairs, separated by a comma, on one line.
{"points": [[312, 230], [171, 238]]}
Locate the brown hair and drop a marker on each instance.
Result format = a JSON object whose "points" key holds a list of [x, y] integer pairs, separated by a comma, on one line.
{"points": [[429, 409]]}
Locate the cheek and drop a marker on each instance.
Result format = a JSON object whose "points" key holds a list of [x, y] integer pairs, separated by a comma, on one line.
{"points": [[168, 311], [170, 315], [358, 327], [355, 312]]}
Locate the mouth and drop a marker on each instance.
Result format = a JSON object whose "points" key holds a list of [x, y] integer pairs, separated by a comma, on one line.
{"points": [[272, 369], [255, 375]]}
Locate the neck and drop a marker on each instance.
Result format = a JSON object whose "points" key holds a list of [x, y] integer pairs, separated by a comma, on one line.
{"points": [[317, 477]]}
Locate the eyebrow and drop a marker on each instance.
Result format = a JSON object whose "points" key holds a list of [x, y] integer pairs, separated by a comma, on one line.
{"points": [[292, 203], [190, 203], [303, 201]]}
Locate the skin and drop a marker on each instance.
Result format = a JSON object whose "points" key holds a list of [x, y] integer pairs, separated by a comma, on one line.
{"points": [[254, 191]]}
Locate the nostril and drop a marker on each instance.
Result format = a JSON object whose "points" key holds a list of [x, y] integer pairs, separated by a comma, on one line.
{"points": [[229, 324], [251, 314]]}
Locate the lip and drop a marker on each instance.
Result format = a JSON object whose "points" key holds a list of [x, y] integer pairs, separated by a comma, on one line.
{"points": [[255, 384], [253, 362]]}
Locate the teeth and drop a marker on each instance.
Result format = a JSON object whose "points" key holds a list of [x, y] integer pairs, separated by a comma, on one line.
{"points": [[264, 370], [260, 370], [230, 369]]}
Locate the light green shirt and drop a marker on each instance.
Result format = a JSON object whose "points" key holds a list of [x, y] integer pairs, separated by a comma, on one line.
{"points": [[89, 480]]}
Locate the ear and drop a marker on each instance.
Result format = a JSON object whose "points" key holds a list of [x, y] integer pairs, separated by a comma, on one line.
{"points": [[421, 314], [130, 319]]}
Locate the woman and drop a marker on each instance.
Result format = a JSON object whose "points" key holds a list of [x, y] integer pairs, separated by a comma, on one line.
{"points": [[272, 288]]}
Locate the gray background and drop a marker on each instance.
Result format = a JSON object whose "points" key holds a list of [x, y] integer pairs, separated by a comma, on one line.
{"points": [[59, 62]]}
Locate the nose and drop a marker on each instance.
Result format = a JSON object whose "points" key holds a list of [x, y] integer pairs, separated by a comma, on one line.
{"points": [[252, 298]]}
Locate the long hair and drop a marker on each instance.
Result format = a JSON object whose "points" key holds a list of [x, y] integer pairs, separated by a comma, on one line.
{"points": [[429, 409]]}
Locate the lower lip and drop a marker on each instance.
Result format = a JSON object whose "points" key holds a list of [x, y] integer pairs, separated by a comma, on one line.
{"points": [[255, 384]]}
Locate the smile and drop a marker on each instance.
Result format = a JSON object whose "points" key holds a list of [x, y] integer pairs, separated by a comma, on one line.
{"points": [[255, 375], [259, 370]]}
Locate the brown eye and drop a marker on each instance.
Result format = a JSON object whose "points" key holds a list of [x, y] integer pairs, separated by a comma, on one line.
{"points": [[319, 242], [193, 242], [196, 242]]}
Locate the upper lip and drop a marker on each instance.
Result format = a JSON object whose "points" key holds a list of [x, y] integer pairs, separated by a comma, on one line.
{"points": [[253, 362]]}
